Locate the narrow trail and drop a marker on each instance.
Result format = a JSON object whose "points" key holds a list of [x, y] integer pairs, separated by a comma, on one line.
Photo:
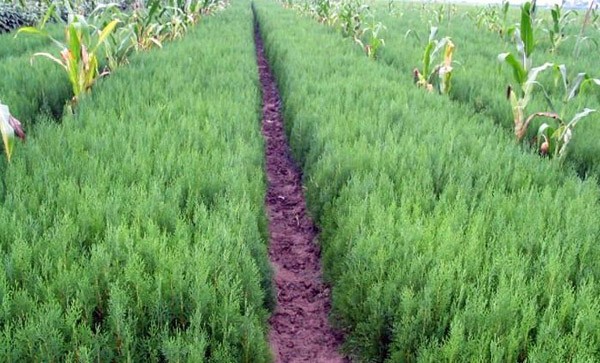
{"points": [[300, 331]]}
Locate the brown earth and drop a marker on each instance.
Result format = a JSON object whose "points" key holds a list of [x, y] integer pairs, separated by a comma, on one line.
{"points": [[300, 330]]}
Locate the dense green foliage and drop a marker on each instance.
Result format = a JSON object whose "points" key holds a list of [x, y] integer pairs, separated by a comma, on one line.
{"points": [[13, 47], [133, 231], [480, 82], [442, 239], [31, 88]]}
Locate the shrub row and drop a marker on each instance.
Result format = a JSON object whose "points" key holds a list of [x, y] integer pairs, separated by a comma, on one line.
{"points": [[134, 230], [442, 239]]}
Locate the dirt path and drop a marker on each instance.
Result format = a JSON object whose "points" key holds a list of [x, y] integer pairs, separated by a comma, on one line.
{"points": [[300, 331]]}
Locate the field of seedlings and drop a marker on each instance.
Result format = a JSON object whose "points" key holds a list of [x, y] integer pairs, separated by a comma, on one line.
{"points": [[448, 155]]}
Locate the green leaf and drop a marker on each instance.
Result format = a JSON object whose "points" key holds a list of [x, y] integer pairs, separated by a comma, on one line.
{"points": [[32, 30], [545, 130], [555, 16], [153, 9], [580, 116], [427, 58], [74, 42], [105, 33], [575, 86], [532, 76], [52, 58], [562, 69], [527, 29], [49, 13], [519, 72]]}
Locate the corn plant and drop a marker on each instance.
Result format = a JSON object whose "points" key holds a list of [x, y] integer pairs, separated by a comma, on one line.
{"points": [[524, 74], [373, 41], [324, 11], [122, 41], [9, 127], [554, 138], [351, 18], [556, 30], [436, 76], [145, 28], [79, 53], [571, 88], [176, 22]]}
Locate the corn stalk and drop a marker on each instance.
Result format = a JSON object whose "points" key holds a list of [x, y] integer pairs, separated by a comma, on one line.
{"points": [[553, 140], [524, 74], [78, 54], [436, 76], [558, 28]]}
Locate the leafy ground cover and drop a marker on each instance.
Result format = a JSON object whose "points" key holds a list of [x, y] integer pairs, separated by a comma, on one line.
{"points": [[442, 239], [134, 229]]}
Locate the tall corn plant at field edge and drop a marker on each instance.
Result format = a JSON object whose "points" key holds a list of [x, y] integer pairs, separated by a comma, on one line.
{"points": [[524, 74], [9, 127], [78, 55]]}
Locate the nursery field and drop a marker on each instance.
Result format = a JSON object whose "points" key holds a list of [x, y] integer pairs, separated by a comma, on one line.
{"points": [[145, 218]]}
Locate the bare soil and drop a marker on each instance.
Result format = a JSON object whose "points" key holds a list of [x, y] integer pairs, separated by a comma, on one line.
{"points": [[300, 330]]}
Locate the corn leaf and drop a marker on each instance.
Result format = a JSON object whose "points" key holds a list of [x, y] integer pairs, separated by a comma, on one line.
{"points": [[527, 29], [108, 29], [519, 72], [51, 57], [580, 116], [576, 85], [74, 42], [32, 30]]}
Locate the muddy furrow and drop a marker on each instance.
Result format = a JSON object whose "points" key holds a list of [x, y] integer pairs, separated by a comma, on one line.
{"points": [[300, 331]]}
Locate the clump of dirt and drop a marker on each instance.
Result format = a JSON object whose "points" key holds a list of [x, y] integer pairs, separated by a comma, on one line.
{"points": [[300, 331]]}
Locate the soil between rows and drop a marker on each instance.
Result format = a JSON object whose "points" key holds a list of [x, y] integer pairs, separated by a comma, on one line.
{"points": [[300, 330]]}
